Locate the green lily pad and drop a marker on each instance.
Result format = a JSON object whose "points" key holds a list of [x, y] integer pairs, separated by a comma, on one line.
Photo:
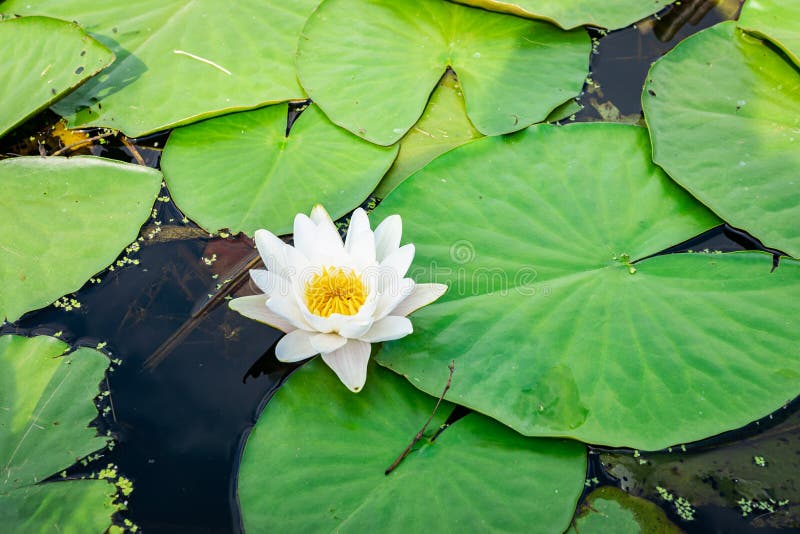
{"points": [[609, 14], [47, 402], [315, 462], [555, 331], [180, 61], [442, 127], [63, 221], [609, 509], [242, 171], [775, 20], [41, 60], [371, 66], [724, 115]]}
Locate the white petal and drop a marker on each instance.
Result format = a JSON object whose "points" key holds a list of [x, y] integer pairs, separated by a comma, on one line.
{"points": [[295, 262], [302, 279], [399, 260], [327, 342], [255, 307], [295, 346], [320, 245], [392, 296], [388, 328], [338, 323], [359, 223], [350, 363], [286, 306], [272, 250], [318, 323], [387, 236], [305, 232], [325, 226], [320, 215], [355, 329], [422, 295], [269, 282], [360, 241]]}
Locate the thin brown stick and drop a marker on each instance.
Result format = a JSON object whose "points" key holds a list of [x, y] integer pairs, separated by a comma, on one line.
{"points": [[242, 273], [83, 142], [421, 432], [134, 152], [238, 277]]}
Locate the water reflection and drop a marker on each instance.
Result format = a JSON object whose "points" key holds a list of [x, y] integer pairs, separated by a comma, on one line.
{"points": [[619, 66], [179, 424], [739, 481]]}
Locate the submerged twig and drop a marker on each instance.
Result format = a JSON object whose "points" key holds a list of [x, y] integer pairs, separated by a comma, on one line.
{"points": [[83, 142], [421, 432], [241, 276], [134, 152]]}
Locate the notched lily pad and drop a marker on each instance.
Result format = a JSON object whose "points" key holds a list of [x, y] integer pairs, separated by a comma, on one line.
{"points": [[723, 110], [47, 405], [558, 320], [315, 462], [775, 20], [63, 221], [371, 66], [180, 61], [242, 171], [443, 126], [41, 60], [609, 14]]}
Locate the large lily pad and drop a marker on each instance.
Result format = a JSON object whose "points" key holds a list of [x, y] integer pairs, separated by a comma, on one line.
{"points": [[553, 329], [42, 59], [64, 220], [442, 127], [371, 65], [47, 405], [724, 114], [315, 462], [609, 14], [180, 61], [775, 20], [243, 172]]}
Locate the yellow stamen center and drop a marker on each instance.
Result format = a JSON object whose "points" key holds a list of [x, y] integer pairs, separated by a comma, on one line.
{"points": [[335, 290]]}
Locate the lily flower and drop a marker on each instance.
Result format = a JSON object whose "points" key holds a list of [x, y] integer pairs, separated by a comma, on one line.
{"points": [[336, 298]]}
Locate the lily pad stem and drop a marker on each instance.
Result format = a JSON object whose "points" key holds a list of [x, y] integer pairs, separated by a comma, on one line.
{"points": [[421, 432]]}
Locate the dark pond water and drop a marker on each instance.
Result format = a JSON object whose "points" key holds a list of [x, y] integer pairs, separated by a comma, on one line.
{"points": [[194, 375]]}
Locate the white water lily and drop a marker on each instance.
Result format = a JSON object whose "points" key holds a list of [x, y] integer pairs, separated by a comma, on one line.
{"points": [[335, 298]]}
